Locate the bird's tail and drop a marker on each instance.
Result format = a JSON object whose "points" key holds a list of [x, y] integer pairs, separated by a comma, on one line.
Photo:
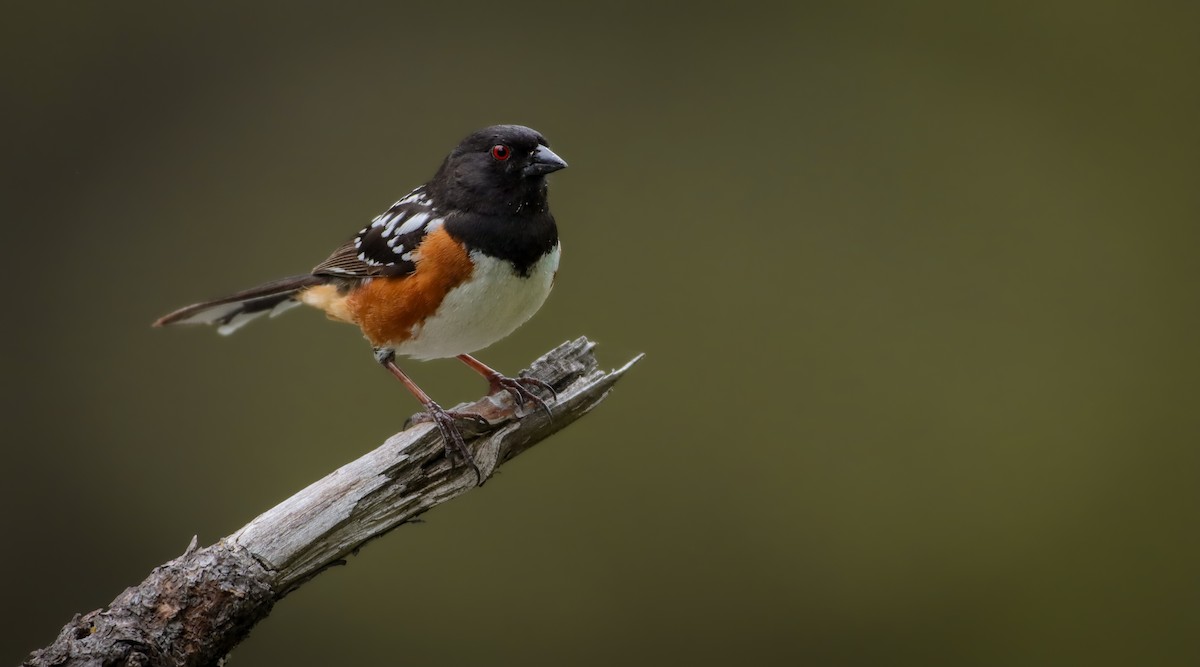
{"points": [[235, 310]]}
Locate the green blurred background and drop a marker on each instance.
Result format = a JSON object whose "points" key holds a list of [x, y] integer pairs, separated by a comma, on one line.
{"points": [[917, 287]]}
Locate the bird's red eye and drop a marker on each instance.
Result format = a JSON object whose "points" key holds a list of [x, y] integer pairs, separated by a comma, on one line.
{"points": [[501, 152]]}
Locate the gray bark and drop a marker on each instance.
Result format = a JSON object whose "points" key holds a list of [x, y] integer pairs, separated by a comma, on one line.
{"points": [[194, 609]]}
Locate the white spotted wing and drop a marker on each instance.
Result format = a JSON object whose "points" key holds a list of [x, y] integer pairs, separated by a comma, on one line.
{"points": [[386, 246]]}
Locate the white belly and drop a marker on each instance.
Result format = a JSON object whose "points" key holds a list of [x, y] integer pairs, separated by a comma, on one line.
{"points": [[487, 307]]}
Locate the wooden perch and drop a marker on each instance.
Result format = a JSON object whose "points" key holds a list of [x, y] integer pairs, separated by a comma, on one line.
{"points": [[194, 609]]}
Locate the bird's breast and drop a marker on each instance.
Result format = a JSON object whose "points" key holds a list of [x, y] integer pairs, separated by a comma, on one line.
{"points": [[482, 307]]}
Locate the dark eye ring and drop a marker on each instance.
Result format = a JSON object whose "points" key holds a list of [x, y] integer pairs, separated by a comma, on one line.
{"points": [[501, 152]]}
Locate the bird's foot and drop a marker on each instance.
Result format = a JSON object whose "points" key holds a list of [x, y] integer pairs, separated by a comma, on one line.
{"points": [[446, 421], [521, 389]]}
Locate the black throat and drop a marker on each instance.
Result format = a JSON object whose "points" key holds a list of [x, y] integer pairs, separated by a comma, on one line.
{"points": [[498, 211], [521, 238]]}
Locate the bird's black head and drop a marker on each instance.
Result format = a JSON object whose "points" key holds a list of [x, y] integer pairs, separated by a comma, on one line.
{"points": [[500, 169]]}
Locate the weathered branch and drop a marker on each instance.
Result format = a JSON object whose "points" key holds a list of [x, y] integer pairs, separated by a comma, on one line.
{"points": [[194, 609]]}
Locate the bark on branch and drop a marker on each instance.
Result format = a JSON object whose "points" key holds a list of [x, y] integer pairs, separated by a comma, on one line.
{"points": [[194, 609]]}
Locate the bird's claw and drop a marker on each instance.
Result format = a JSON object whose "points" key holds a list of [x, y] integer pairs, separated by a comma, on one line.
{"points": [[477, 420], [520, 388], [452, 438]]}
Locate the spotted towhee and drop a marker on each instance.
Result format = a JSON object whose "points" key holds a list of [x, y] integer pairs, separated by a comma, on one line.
{"points": [[454, 266]]}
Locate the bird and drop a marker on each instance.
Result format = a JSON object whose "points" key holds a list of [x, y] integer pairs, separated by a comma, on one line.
{"points": [[450, 268]]}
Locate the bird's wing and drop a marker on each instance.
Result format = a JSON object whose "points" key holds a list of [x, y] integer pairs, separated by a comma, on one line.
{"points": [[386, 246]]}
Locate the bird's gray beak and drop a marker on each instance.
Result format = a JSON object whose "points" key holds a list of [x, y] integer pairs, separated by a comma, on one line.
{"points": [[543, 161]]}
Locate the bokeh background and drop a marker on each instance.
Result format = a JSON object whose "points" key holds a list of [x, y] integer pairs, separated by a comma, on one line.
{"points": [[917, 285]]}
